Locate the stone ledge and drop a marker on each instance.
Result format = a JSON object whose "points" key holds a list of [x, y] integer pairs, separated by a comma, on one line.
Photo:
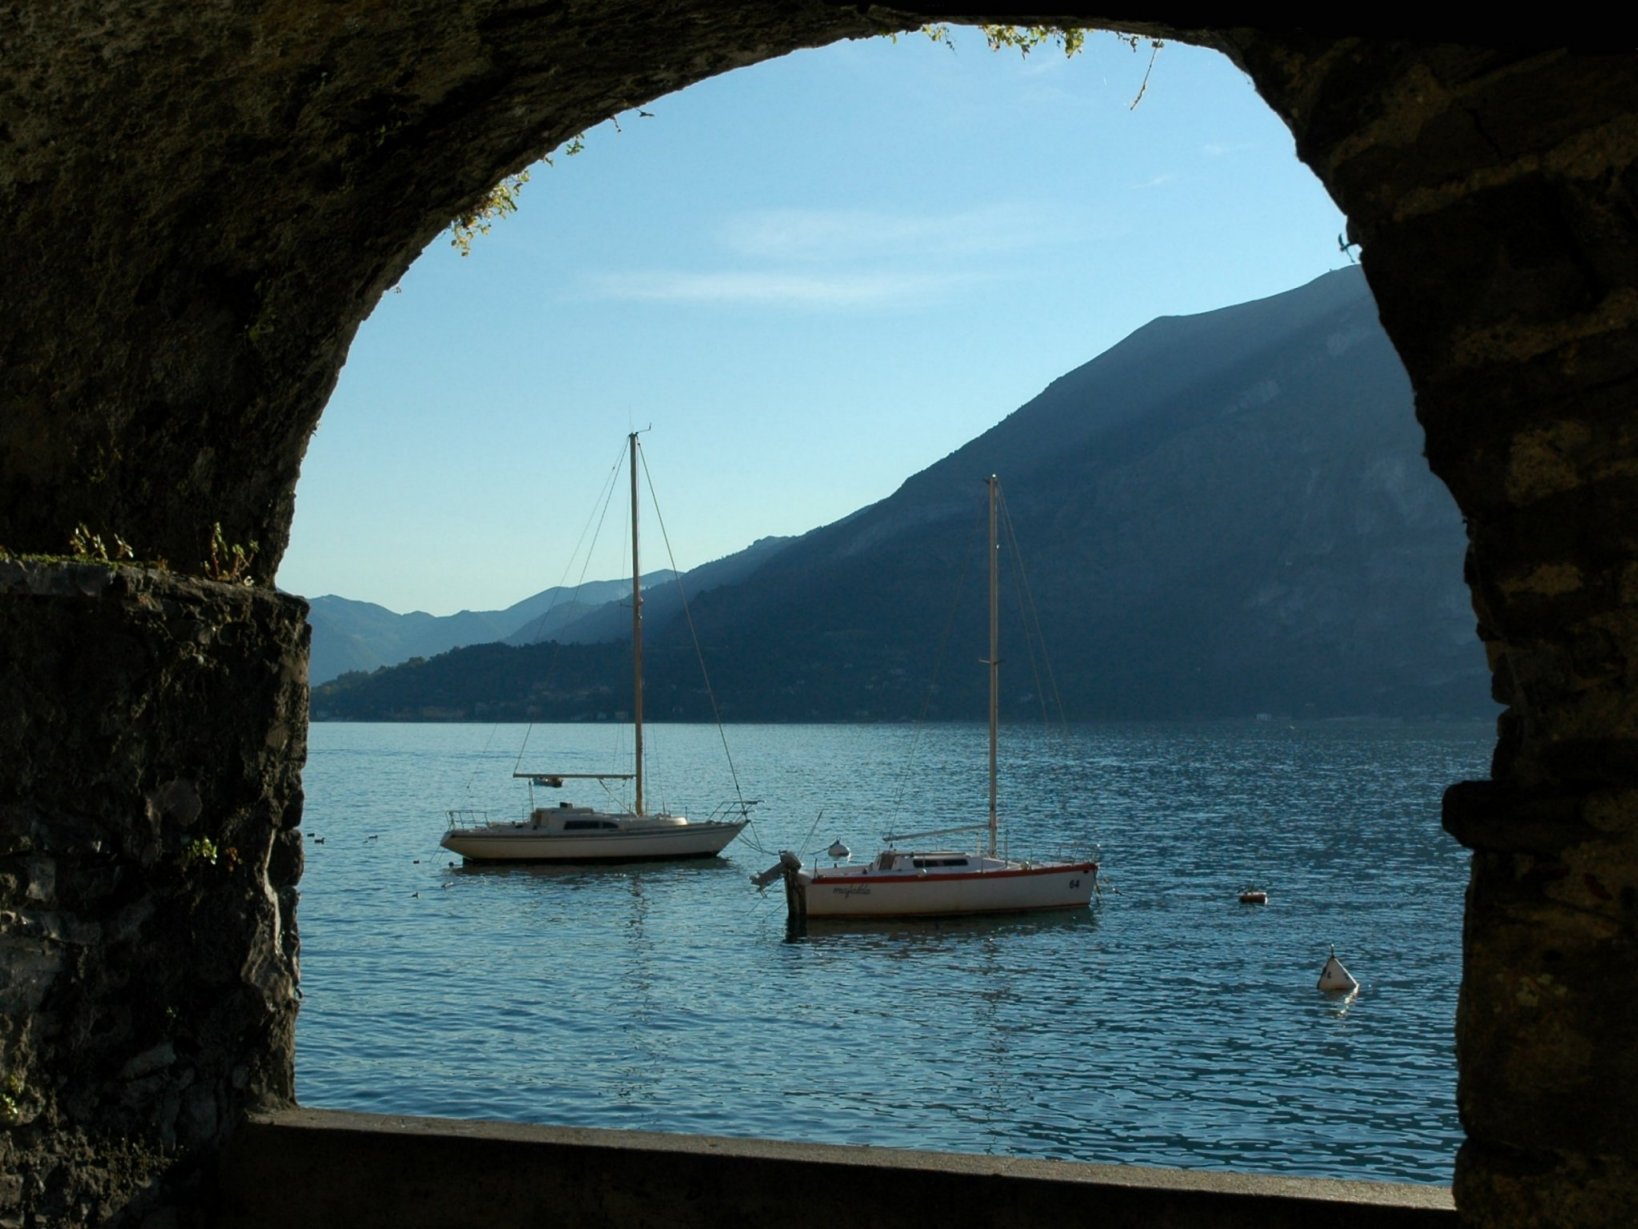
{"points": [[81, 578], [320, 1167]]}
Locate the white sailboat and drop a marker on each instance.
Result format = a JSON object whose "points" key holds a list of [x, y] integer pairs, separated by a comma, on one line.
{"points": [[935, 881], [568, 832]]}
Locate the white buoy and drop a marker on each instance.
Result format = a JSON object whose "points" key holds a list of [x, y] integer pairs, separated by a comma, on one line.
{"points": [[1334, 977], [839, 852]]}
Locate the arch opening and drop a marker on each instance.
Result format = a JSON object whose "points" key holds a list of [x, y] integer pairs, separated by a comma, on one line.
{"points": [[995, 220]]}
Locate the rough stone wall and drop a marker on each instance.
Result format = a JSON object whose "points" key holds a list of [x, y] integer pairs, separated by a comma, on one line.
{"points": [[1493, 194], [152, 739], [202, 202]]}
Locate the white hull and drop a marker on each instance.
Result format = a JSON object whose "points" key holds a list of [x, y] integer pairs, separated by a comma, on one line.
{"points": [[999, 887], [640, 842]]}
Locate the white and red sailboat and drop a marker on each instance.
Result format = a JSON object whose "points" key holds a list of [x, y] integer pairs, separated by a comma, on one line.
{"points": [[941, 881]]}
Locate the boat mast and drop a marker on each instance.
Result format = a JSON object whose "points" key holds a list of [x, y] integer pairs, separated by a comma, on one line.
{"points": [[995, 649], [637, 639]]}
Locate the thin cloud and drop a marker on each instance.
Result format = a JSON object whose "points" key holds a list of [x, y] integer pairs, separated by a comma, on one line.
{"points": [[1159, 181], [857, 258], [779, 289], [859, 234]]}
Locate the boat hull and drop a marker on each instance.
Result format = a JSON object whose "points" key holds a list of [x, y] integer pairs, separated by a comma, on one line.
{"points": [[519, 843], [860, 892]]}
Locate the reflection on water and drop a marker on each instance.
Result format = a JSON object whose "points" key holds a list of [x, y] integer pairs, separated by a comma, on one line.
{"points": [[589, 874], [921, 936], [1168, 1025]]}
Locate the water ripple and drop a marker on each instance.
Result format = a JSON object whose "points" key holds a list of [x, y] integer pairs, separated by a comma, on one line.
{"points": [[1168, 1026]]}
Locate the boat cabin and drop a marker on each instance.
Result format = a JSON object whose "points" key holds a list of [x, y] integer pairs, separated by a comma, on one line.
{"points": [[568, 817], [894, 860]]}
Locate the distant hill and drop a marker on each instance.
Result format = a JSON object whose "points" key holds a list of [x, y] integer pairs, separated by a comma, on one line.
{"points": [[352, 636], [609, 618], [1225, 514]]}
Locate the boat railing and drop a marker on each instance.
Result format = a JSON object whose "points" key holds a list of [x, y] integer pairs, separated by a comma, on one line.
{"points": [[1080, 852], [555, 779], [732, 810], [1075, 853], [460, 818], [893, 838]]}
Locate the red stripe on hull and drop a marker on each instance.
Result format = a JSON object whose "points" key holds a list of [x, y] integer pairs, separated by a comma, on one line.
{"points": [[820, 879], [899, 916]]}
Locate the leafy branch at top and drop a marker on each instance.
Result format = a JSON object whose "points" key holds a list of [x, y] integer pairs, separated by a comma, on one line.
{"points": [[502, 199], [1025, 38], [1072, 39]]}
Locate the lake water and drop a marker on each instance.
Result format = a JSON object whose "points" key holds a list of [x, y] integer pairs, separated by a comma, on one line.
{"points": [[1169, 1025]]}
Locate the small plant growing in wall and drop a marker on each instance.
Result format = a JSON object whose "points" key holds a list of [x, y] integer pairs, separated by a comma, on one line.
{"points": [[83, 544], [229, 563], [204, 850], [200, 849], [501, 200], [12, 1093]]}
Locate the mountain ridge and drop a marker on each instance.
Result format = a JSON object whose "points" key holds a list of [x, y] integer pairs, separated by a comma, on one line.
{"points": [[1226, 513]]}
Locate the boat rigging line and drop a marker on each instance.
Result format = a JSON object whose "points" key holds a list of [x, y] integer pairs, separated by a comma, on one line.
{"points": [[694, 638], [1029, 611], [908, 777], [582, 551]]}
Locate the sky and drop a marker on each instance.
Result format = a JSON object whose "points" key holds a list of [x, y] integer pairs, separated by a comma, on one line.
{"points": [[804, 281]]}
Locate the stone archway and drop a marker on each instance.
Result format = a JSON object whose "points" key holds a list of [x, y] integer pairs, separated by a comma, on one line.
{"points": [[203, 206]]}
